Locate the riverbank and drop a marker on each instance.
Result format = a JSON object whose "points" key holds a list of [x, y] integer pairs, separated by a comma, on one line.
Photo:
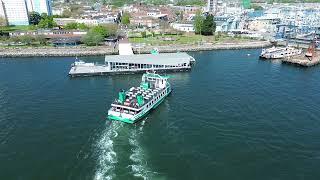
{"points": [[106, 50]]}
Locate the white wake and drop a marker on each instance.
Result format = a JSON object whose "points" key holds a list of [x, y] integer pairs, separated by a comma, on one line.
{"points": [[139, 166], [107, 159]]}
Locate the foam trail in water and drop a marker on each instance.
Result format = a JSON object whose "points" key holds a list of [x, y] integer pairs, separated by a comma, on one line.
{"points": [[139, 167], [107, 157]]}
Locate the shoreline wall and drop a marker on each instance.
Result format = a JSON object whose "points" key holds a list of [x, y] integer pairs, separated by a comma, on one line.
{"points": [[105, 50]]}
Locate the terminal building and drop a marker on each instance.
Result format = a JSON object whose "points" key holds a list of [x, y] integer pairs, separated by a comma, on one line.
{"points": [[128, 64], [143, 62]]}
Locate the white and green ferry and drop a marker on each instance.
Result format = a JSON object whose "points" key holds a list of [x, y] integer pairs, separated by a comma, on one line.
{"points": [[135, 103]]}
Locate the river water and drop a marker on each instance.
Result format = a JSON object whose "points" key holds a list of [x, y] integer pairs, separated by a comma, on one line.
{"points": [[232, 117]]}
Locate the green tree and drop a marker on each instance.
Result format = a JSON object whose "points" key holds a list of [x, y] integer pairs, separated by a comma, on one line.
{"points": [[27, 39], [72, 25], [82, 26], [44, 15], [104, 2], [34, 18], [66, 13], [41, 39], [208, 26], [92, 38], [190, 2], [47, 22], [100, 30], [106, 30], [198, 22], [143, 34], [112, 29], [125, 19], [181, 16]]}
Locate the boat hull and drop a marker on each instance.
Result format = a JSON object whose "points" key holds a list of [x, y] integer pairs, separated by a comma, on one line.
{"points": [[139, 116]]}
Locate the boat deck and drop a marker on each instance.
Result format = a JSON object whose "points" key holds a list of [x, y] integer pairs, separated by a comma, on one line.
{"points": [[131, 97], [89, 70]]}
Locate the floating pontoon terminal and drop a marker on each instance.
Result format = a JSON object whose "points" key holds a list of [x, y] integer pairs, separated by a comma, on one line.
{"points": [[127, 64]]}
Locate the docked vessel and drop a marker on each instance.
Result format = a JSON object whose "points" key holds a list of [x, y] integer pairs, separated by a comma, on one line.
{"points": [[135, 103], [279, 52], [80, 63]]}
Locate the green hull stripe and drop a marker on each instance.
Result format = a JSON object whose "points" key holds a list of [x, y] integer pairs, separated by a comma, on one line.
{"points": [[117, 118]]}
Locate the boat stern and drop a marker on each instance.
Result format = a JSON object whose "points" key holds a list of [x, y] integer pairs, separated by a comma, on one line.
{"points": [[117, 116]]}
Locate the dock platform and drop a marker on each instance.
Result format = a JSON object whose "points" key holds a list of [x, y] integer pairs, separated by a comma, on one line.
{"points": [[301, 60]]}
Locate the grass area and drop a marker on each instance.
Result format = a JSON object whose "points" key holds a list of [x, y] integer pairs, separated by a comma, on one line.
{"points": [[186, 39], [17, 28]]}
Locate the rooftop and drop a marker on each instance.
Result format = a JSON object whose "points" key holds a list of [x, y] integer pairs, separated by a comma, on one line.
{"points": [[160, 59]]}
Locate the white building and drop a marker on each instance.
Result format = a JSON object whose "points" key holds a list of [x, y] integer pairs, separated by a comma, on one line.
{"points": [[40, 6], [88, 22], [2, 12], [183, 27], [57, 11], [212, 6], [16, 12]]}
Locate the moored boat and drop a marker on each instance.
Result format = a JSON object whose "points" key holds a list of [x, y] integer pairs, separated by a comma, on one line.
{"points": [[135, 103], [279, 52], [80, 63]]}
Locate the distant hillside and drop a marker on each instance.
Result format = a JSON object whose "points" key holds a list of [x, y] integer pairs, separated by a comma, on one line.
{"points": [[158, 2], [285, 1], [120, 3]]}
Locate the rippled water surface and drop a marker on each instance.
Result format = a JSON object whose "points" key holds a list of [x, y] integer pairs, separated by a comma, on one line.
{"points": [[232, 117]]}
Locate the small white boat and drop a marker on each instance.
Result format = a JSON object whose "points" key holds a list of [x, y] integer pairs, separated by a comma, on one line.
{"points": [[81, 63], [279, 52]]}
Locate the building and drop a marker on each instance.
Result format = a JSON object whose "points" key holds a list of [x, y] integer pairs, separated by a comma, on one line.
{"points": [[212, 6], [40, 6], [183, 27], [145, 22], [141, 62], [64, 21], [128, 64], [57, 11], [16, 12], [88, 22], [2, 15]]}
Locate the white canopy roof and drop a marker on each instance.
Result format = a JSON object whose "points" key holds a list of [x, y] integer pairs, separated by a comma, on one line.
{"points": [[159, 59]]}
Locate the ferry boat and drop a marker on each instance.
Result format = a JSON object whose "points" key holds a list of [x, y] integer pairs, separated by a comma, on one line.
{"points": [[81, 63], [279, 52], [135, 103]]}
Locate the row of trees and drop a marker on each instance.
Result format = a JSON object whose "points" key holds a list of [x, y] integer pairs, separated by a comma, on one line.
{"points": [[120, 3], [94, 37], [97, 34], [204, 25], [125, 19], [75, 25], [27, 40], [42, 21]]}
